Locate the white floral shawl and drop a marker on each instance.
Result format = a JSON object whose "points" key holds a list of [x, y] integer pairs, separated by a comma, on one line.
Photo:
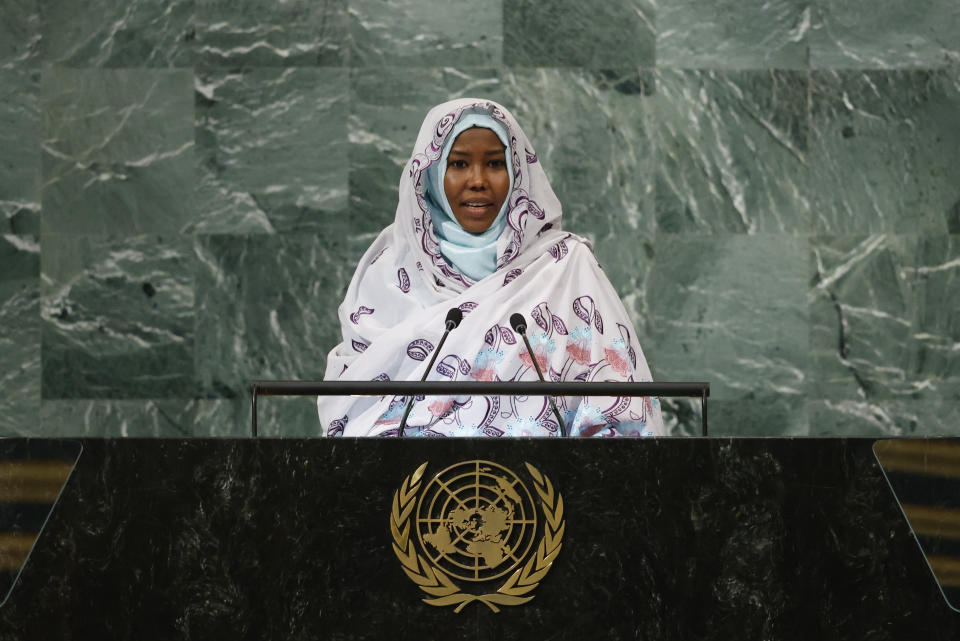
{"points": [[393, 312]]}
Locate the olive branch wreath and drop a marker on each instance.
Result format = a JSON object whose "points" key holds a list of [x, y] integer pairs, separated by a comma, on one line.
{"points": [[436, 583]]}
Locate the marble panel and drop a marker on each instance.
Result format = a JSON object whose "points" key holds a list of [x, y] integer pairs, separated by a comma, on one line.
{"points": [[165, 418], [282, 417], [885, 151], [118, 317], [19, 333], [267, 307], [262, 33], [883, 318], [20, 137], [733, 34], [271, 150], [589, 131], [773, 415], [19, 35], [759, 415], [117, 152], [732, 310], [682, 416], [277, 417], [386, 111], [866, 34], [117, 33], [732, 151], [570, 33], [627, 261], [415, 33], [908, 417]]}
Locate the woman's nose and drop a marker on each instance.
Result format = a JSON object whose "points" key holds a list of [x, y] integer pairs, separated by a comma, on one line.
{"points": [[477, 179]]}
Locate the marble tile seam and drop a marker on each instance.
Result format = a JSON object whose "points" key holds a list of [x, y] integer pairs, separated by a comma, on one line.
{"points": [[200, 68], [620, 64]]}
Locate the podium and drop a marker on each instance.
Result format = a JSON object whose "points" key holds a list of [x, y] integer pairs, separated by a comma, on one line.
{"points": [[673, 538]]}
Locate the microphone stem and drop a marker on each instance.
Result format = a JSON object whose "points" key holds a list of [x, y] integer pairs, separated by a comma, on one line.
{"points": [[536, 366], [433, 357]]}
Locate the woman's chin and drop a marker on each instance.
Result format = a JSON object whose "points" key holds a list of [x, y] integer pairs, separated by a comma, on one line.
{"points": [[474, 224]]}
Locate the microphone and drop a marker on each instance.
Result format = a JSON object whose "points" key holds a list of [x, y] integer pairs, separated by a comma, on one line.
{"points": [[454, 317], [519, 325], [451, 322]]}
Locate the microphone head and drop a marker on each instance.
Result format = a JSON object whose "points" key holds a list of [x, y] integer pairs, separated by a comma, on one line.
{"points": [[454, 316], [518, 323]]}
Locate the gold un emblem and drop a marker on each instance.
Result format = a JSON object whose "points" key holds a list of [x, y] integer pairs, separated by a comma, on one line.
{"points": [[475, 523]]}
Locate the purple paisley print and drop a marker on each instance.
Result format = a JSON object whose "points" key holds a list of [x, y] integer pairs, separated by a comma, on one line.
{"points": [[586, 310], [511, 276], [499, 333], [619, 406], [355, 317], [404, 280], [540, 314], [337, 426], [558, 251], [559, 326], [450, 364], [359, 346], [419, 349], [547, 320], [515, 159], [580, 310], [467, 307]]}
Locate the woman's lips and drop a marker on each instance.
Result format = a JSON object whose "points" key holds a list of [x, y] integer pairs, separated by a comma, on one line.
{"points": [[477, 209]]}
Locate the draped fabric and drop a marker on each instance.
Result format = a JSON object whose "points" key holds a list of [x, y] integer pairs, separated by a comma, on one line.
{"points": [[392, 315]]}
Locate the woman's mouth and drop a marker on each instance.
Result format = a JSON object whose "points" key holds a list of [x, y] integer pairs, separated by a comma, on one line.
{"points": [[478, 207]]}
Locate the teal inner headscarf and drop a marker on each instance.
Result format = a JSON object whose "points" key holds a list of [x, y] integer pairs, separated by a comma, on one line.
{"points": [[474, 255]]}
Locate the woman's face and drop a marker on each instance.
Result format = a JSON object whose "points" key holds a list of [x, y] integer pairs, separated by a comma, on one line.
{"points": [[477, 181]]}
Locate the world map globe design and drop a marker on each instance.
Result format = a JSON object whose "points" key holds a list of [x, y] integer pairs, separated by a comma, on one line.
{"points": [[476, 520]]}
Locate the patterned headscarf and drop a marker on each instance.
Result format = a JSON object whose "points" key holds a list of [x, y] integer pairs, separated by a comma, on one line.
{"points": [[473, 255], [532, 207]]}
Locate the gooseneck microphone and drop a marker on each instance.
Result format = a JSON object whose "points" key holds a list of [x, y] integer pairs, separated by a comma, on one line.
{"points": [[452, 321], [519, 325]]}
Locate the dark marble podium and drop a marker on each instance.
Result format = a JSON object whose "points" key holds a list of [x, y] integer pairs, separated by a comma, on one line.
{"points": [[290, 539]]}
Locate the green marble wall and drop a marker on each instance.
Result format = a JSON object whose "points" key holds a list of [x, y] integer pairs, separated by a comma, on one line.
{"points": [[772, 186]]}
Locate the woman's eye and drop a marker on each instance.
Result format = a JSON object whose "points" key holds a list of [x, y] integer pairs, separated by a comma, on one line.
{"points": [[459, 164], [498, 163]]}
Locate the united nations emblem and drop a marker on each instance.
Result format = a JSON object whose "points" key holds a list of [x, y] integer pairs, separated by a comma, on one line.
{"points": [[476, 523]]}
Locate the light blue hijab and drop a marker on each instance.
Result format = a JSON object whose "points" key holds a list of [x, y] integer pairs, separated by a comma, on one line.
{"points": [[473, 255]]}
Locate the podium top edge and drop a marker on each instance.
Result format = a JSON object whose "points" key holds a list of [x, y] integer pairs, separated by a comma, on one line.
{"points": [[455, 388]]}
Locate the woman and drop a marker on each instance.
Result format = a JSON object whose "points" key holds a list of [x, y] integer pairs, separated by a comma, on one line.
{"points": [[478, 228]]}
